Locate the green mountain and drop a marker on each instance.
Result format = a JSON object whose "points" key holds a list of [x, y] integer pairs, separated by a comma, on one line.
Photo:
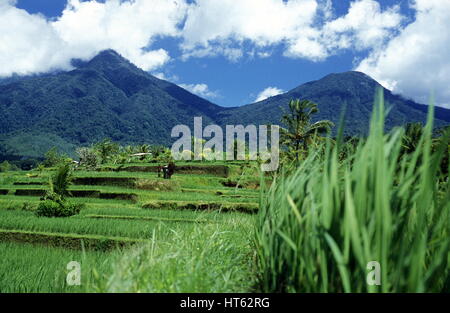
{"points": [[105, 97], [353, 91], [108, 97]]}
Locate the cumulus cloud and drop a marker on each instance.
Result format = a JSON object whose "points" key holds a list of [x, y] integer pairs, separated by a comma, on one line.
{"points": [[267, 93], [304, 27], [417, 61], [229, 28], [33, 44], [28, 43], [215, 24], [365, 26], [201, 90], [412, 59]]}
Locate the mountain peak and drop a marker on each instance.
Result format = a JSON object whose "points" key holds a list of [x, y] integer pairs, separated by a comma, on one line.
{"points": [[108, 60], [349, 82], [109, 52], [111, 55], [350, 76]]}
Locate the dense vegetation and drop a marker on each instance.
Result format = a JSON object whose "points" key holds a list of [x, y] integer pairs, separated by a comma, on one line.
{"points": [[350, 92], [336, 205], [108, 97], [105, 97], [321, 226], [191, 233]]}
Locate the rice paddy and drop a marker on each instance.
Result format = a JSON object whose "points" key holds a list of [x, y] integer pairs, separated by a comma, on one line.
{"points": [[319, 225], [127, 216]]}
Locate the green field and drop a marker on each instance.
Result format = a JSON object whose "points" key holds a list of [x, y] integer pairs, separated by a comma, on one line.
{"points": [[195, 237], [340, 215]]}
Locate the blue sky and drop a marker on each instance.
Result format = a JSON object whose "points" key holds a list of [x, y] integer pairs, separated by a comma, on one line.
{"points": [[236, 61]]}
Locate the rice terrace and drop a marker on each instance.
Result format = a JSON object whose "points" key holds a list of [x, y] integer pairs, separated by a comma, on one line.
{"points": [[189, 223], [119, 174], [218, 226]]}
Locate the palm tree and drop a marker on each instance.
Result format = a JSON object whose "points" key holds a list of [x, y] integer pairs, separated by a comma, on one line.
{"points": [[411, 138], [157, 150], [300, 133], [106, 148], [61, 181], [144, 148]]}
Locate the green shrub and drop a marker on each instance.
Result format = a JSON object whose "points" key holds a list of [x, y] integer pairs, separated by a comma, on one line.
{"points": [[51, 208], [5, 166], [157, 185], [27, 206], [53, 158], [88, 157]]}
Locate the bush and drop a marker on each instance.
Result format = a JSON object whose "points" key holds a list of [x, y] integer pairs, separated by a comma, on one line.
{"points": [[53, 158], [158, 185], [27, 206], [51, 208], [5, 166], [88, 157]]}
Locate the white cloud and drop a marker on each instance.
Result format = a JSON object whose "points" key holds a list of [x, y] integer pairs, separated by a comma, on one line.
{"points": [[201, 90], [364, 26], [264, 54], [305, 27], [232, 54], [27, 42], [412, 60], [164, 76], [417, 61], [231, 28], [30, 43], [215, 24], [160, 75], [267, 93]]}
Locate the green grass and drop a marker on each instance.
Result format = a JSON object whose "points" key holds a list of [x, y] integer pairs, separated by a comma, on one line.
{"points": [[194, 257], [202, 188], [214, 216], [17, 203], [223, 206], [29, 268], [65, 240], [211, 258], [78, 225], [146, 218], [189, 250], [318, 227], [321, 226]]}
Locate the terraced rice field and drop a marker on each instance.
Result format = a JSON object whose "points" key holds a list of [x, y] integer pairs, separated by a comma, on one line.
{"points": [[192, 233]]}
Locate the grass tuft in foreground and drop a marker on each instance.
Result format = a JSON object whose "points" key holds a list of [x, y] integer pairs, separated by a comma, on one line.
{"points": [[320, 227]]}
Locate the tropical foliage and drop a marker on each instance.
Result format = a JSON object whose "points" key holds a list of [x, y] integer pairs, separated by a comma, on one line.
{"points": [[300, 133]]}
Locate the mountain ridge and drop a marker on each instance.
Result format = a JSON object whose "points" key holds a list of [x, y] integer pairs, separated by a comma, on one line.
{"points": [[108, 96], [353, 91]]}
